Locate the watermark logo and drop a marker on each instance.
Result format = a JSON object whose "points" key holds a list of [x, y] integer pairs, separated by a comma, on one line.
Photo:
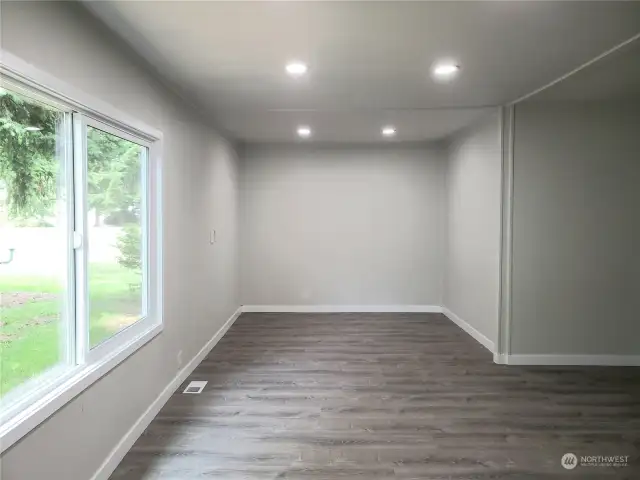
{"points": [[569, 461], [604, 460]]}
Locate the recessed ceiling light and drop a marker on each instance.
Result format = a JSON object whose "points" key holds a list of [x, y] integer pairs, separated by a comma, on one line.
{"points": [[445, 70], [296, 69], [304, 131], [389, 131], [33, 129]]}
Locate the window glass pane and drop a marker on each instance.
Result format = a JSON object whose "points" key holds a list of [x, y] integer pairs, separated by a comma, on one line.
{"points": [[35, 254], [116, 227]]}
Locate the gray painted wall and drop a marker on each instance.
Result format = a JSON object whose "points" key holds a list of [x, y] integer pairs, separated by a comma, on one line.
{"points": [[576, 230], [472, 269], [200, 192], [342, 226]]}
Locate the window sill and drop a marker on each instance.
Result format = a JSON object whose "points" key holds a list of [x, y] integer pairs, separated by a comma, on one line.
{"points": [[83, 377]]}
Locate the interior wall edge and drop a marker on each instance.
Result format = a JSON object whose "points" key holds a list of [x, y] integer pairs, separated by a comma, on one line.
{"points": [[450, 142], [507, 140], [471, 277]]}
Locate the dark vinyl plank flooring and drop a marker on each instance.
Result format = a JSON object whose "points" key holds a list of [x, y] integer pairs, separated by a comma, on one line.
{"points": [[383, 396]]}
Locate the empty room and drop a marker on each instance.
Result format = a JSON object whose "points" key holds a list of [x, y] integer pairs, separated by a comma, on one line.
{"points": [[259, 240]]}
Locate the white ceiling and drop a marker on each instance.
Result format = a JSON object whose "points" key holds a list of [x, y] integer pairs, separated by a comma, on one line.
{"points": [[369, 61]]}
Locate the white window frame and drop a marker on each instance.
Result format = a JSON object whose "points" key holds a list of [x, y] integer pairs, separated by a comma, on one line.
{"points": [[84, 352], [58, 386]]}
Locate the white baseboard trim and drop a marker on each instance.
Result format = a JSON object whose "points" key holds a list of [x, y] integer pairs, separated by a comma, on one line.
{"points": [[342, 308], [479, 337], [586, 360], [500, 358], [125, 444]]}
